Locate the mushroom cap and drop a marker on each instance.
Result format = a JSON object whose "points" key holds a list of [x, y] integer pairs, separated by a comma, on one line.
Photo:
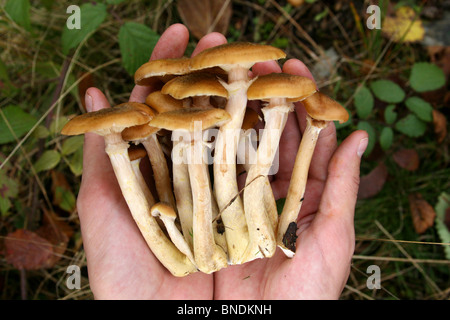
{"points": [[109, 120], [163, 102], [186, 119], [321, 107], [226, 56], [139, 132], [195, 84], [136, 152], [162, 209], [281, 85], [160, 70]]}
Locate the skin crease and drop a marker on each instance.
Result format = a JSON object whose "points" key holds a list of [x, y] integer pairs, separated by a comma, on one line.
{"points": [[121, 266]]}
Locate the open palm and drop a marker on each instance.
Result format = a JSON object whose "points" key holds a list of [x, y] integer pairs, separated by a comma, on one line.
{"points": [[121, 266]]}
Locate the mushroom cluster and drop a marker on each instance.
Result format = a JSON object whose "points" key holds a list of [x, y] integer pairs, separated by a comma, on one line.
{"points": [[198, 219]]}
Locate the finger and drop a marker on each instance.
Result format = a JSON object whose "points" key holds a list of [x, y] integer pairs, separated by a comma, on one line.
{"points": [[95, 159], [341, 187], [171, 44], [210, 40], [266, 67]]}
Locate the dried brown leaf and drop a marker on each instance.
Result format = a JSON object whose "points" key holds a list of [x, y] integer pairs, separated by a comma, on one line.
{"points": [[27, 250], [407, 159], [422, 213], [440, 125], [373, 182], [205, 16]]}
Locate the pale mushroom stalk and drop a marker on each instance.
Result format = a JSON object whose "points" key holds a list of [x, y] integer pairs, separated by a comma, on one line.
{"points": [[110, 123], [276, 88], [168, 215], [287, 225], [199, 87], [260, 226], [190, 123], [236, 59], [182, 190], [208, 255], [160, 169], [320, 111]]}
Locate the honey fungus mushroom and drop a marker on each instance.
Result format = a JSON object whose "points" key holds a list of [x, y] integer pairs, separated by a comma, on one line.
{"points": [[208, 256], [320, 109], [236, 59], [109, 123], [275, 89]]}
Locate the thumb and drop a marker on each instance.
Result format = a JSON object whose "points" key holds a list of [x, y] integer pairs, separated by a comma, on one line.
{"points": [[95, 160], [341, 188]]}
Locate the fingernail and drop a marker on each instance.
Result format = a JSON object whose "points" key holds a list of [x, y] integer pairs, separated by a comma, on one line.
{"points": [[88, 101], [362, 146]]}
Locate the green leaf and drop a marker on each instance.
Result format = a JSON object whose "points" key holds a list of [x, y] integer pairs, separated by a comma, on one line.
{"points": [[20, 122], [363, 102], [426, 77], [411, 126], [47, 161], [91, 16], [422, 109], [64, 198], [72, 144], [76, 162], [386, 138], [19, 12], [136, 42], [390, 115], [441, 228], [280, 205], [9, 188], [387, 91], [366, 126], [5, 205]]}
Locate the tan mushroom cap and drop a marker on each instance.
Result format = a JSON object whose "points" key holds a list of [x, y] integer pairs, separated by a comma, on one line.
{"points": [[321, 107], [160, 70], [163, 210], [281, 85], [195, 84], [109, 120], [186, 119], [163, 102], [136, 152], [226, 56]]}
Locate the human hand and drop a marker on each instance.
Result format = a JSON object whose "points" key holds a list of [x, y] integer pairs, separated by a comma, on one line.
{"points": [[121, 266], [325, 243]]}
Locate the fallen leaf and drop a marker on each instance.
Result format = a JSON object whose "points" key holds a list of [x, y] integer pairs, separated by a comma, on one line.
{"points": [[407, 159], [440, 125], [205, 16], [403, 26], [27, 250], [372, 183], [422, 212]]}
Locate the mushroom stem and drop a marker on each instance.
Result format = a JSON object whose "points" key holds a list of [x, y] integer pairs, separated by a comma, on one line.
{"points": [[135, 164], [262, 241], [225, 182], [160, 169], [174, 260], [182, 189], [167, 214], [287, 224], [208, 255]]}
